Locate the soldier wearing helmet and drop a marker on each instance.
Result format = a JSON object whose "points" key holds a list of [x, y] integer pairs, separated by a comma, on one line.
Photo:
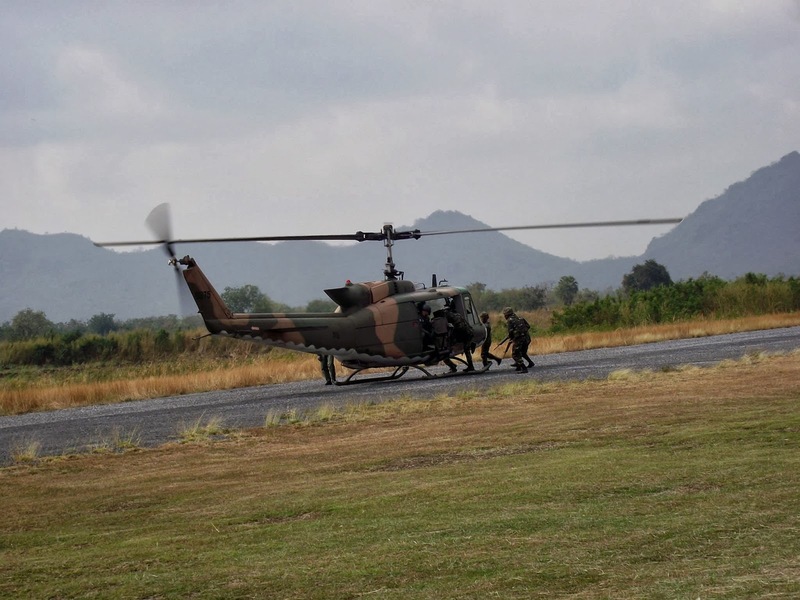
{"points": [[518, 333], [460, 332], [486, 355], [425, 325]]}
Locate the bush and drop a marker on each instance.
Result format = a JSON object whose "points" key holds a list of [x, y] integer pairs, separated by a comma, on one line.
{"points": [[91, 348], [707, 296]]}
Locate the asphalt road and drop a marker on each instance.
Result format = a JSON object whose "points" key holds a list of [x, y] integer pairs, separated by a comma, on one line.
{"points": [[154, 422]]}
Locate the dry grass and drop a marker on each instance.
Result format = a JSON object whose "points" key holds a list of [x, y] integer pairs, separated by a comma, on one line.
{"points": [[656, 485], [26, 451], [262, 371], [659, 333], [201, 429]]}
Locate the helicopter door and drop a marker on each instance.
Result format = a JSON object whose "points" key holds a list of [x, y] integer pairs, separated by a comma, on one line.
{"points": [[463, 304], [438, 323], [469, 309], [471, 314]]}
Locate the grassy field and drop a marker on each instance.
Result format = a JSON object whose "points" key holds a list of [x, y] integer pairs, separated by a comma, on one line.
{"points": [[681, 484], [30, 389]]}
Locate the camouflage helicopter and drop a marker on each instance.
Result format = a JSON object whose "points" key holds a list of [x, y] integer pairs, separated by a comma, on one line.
{"points": [[377, 324]]}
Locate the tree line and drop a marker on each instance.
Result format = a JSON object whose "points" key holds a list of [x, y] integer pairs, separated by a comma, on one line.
{"points": [[29, 324], [707, 296], [647, 295]]}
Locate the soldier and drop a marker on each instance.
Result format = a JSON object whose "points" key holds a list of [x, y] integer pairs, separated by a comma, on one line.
{"points": [[518, 329], [528, 360], [425, 325], [486, 355], [328, 368], [462, 333]]}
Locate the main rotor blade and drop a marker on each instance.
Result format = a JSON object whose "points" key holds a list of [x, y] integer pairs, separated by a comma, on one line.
{"points": [[161, 226], [558, 226], [160, 223], [346, 237]]}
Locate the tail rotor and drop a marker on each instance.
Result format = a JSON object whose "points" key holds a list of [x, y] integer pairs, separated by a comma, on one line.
{"points": [[160, 223]]}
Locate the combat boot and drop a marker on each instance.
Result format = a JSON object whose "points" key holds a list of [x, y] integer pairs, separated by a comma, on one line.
{"points": [[470, 366]]}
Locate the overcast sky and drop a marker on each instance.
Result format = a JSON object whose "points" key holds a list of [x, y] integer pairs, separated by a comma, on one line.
{"points": [[303, 117]]}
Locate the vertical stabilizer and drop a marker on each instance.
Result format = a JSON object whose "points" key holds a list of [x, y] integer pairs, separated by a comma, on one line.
{"points": [[209, 302]]}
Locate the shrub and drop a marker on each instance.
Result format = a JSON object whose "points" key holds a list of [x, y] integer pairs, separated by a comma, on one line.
{"points": [[706, 296]]}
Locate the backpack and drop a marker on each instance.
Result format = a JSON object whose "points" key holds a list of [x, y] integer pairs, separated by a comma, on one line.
{"points": [[520, 327], [461, 329]]}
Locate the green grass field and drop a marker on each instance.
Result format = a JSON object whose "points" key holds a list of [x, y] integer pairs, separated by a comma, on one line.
{"points": [[683, 484]]}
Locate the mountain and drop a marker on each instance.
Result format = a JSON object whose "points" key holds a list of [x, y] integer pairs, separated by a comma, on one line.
{"points": [[752, 226], [66, 276]]}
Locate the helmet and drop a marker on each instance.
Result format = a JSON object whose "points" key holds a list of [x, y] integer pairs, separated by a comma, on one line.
{"points": [[484, 315], [508, 311], [425, 307]]}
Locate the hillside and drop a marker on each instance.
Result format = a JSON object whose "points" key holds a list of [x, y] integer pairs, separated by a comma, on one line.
{"points": [[752, 226]]}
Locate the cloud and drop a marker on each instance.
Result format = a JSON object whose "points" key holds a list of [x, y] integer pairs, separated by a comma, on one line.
{"points": [[288, 117]]}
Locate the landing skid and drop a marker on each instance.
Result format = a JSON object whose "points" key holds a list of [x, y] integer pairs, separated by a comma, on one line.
{"points": [[396, 374], [462, 372], [455, 373], [400, 371]]}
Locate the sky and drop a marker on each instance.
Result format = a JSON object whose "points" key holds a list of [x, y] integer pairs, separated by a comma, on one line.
{"points": [[326, 117]]}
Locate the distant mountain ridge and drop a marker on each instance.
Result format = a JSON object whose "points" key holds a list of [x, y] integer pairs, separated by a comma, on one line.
{"points": [[752, 226]]}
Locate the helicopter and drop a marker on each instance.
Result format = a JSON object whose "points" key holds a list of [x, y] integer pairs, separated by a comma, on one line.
{"points": [[376, 325]]}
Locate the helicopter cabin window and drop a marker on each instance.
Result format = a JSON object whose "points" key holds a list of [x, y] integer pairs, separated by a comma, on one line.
{"points": [[437, 307], [469, 309]]}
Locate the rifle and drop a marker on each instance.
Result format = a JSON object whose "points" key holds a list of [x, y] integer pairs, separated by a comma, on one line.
{"points": [[500, 343]]}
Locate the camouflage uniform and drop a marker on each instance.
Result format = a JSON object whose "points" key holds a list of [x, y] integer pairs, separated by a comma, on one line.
{"points": [[425, 325], [328, 368], [486, 355], [462, 333], [520, 338]]}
